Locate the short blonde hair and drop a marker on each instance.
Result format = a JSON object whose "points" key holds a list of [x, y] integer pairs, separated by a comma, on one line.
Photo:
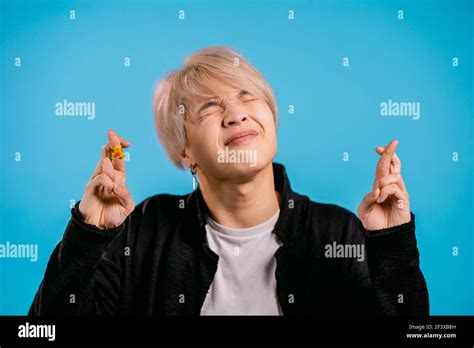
{"points": [[196, 78]]}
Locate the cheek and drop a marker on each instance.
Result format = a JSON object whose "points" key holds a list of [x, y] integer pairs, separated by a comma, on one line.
{"points": [[268, 144], [205, 140], [265, 118]]}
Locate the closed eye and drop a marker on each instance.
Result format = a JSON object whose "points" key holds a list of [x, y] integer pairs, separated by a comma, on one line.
{"points": [[246, 96], [211, 110]]}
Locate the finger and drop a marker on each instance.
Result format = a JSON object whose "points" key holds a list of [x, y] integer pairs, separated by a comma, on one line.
{"points": [[101, 180], [118, 140], [124, 196], [395, 163], [394, 178], [390, 190], [368, 200], [114, 140], [124, 142], [105, 153], [104, 166], [383, 166], [108, 169], [117, 177]]}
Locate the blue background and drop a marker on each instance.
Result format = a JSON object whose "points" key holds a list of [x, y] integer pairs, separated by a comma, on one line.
{"points": [[337, 109]]}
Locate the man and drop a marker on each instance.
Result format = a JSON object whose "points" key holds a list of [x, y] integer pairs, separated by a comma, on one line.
{"points": [[243, 242]]}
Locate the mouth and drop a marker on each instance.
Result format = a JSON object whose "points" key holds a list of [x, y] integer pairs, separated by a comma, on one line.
{"points": [[240, 138]]}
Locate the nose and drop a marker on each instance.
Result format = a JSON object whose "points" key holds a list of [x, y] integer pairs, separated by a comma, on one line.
{"points": [[234, 115]]}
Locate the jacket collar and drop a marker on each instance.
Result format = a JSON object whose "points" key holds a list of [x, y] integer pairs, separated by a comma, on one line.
{"points": [[292, 206]]}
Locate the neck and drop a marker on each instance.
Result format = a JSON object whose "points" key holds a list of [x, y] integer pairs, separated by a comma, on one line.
{"points": [[241, 204]]}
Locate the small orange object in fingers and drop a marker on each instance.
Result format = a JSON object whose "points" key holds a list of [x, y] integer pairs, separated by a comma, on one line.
{"points": [[116, 152]]}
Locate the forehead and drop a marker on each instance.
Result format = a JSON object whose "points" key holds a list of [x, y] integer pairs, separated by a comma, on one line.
{"points": [[216, 90]]}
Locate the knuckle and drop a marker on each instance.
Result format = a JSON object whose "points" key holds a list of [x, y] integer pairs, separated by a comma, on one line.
{"points": [[104, 179], [386, 180], [90, 183]]}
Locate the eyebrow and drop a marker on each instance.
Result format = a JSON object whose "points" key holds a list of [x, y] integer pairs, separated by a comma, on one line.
{"points": [[210, 103]]}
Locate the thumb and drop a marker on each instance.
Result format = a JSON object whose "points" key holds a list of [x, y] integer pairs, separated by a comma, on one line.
{"points": [[367, 202]]}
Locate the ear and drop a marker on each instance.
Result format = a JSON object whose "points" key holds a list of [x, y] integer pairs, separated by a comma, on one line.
{"points": [[185, 157]]}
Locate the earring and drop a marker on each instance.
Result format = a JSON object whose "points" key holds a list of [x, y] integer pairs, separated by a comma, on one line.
{"points": [[193, 173]]}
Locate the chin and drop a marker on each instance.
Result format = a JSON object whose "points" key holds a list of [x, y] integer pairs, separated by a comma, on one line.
{"points": [[245, 170]]}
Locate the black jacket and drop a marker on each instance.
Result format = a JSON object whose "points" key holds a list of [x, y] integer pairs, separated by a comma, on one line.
{"points": [[158, 262]]}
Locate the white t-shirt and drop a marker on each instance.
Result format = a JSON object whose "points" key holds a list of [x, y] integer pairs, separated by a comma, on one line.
{"points": [[244, 283]]}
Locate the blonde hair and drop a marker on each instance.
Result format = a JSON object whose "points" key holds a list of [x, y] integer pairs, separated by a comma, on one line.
{"points": [[196, 78]]}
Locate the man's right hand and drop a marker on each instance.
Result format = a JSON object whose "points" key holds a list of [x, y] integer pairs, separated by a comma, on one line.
{"points": [[107, 202]]}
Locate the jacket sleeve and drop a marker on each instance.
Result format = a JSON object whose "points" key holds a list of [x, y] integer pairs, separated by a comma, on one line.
{"points": [[393, 263], [79, 280]]}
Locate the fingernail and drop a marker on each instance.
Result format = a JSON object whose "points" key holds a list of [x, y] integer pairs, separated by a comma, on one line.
{"points": [[118, 189]]}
